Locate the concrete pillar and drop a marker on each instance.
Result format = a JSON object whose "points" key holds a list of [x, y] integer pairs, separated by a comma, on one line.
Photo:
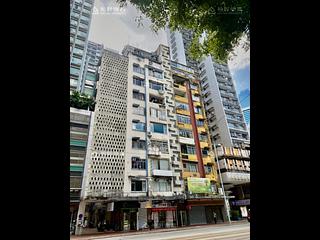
{"points": [[80, 217]]}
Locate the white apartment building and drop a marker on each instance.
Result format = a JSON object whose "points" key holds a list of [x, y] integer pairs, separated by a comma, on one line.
{"points": [[133, 173]]}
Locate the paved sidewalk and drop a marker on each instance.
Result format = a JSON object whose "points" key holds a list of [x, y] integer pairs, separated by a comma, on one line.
{"points": [[119, 234]]}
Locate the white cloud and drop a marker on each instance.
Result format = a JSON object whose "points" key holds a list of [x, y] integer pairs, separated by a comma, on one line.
{"points": [[240, 57], [115, 31]]}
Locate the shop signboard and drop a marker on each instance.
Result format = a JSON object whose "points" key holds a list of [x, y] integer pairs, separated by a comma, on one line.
{"points": [[199, 185]]}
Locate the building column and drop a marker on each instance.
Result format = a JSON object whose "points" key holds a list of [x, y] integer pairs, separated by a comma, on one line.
{"points": [[80, 217]]}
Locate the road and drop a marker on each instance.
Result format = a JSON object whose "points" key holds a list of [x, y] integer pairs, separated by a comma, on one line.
{"points": [[222, 232]]}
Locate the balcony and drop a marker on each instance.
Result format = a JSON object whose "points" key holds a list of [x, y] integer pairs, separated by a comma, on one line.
{"points": [[181, 99], [162, 173], [186, 140], [235, 177], [184, 125], [195, 92], [199, 116], [201, 129], [204, 144], [183, 112], [197, 104], [189, 157], [180, 87], [154, 151], [207, 160], [190, 174]]}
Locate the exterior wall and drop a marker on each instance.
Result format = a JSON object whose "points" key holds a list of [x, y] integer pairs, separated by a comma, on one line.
{"points": [[106, 169], [177, 51]]}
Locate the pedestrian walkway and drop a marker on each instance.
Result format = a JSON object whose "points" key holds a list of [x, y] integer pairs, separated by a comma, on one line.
{"points": [[129, 233]]}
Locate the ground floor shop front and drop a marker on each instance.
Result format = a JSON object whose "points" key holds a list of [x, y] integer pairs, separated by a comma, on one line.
{"points": [[153, 214]]}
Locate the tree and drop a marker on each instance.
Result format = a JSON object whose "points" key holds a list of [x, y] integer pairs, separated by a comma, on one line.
{"points": [[223, 21], [81, 101]]}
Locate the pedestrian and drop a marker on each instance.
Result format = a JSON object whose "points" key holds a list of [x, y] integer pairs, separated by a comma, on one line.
{"points": [[215, 217]]}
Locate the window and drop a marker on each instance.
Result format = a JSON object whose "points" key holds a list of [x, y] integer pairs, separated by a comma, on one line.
{"points": [[185, 133], [138, 81], [163, 146], [188, 149], [138, 186], [155, 86], [158, 113], [162, 186], [79, 42], [139, 96], [155, 99], [182, 106], [194, 87], [76, 61], [158, 128], [73, 82], [138, 163], [155, 73], [195, 98], [203, 138], [138, 144], [183, 119], [138, 110], [90, 76], [160, 164], [138, 69], [74, 71], [138, 126], [78, 51], [197, 110], [208, 169], [200, 123], [190, 167]]}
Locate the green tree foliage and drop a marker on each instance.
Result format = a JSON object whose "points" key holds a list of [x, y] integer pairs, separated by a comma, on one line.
{"points": [[81, 101], [223, 21]]}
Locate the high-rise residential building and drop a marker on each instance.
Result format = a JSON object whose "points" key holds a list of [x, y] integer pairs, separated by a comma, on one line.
{"points": [[225, 118], [196, 149], [80, 122], [92, 62], [224, 113], [134, 153], [80, 18]]}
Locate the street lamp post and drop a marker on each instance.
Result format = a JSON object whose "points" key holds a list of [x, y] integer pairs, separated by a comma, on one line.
{"points": [[224, 194]]}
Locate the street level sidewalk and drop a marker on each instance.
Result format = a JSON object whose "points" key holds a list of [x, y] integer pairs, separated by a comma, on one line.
{"points": [[129, 233]]}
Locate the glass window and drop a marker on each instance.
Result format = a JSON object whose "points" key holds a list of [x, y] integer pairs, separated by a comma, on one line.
{"points": [[138, 126], [138, 186], [138, 144], [208, 169], [182, 106], [183, 119], [74, 23], [197, 110], [139, 96], [76, 61], [162, 186], [74, 71], [79, 42], [155, 73], [155, 86], [78, 51], [138, 69], [90, 76], [158, 113], [158, 128], [84, 18], [188, 149], [185, 133], [200, 123], [138, 163], [89, 91], [138, 81], [193, 167]]}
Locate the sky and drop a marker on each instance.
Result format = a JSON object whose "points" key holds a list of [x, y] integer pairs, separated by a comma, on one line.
{"points": [[114, 28]]}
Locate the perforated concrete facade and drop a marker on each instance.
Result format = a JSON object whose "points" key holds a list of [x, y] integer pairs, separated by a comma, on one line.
{"points": [[106, 166]]}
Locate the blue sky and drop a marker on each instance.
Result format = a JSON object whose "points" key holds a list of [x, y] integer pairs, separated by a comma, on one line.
{"points": [[242, 82]]}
